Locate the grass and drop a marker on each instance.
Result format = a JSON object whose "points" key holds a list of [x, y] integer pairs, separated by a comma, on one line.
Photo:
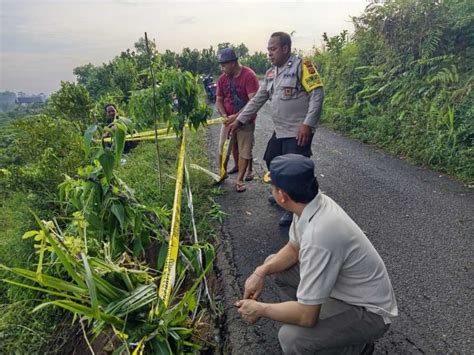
{"points": [[24, 332], [20, 331], [141, 173]]}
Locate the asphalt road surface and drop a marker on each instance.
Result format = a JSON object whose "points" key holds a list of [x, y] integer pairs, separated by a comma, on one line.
{"points": [[420, 221]]}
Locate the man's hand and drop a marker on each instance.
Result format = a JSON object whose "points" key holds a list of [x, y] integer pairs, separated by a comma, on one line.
{"points": [[254, 286], [304, 135], [233, 126], [249, 310], [230, 119]]}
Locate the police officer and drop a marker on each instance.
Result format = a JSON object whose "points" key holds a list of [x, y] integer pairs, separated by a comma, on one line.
{"points": [[296, 105]]}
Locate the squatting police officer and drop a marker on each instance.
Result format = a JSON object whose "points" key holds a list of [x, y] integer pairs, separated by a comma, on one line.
{"points": [[296, 102]]}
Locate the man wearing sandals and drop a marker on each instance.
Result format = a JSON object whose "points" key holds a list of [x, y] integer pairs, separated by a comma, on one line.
{"points": [[295, 93], [235, 87], [341, 297]]}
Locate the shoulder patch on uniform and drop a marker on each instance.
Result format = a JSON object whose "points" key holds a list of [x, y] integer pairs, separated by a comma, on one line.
{"points": [[310, 78], [270, 74]]}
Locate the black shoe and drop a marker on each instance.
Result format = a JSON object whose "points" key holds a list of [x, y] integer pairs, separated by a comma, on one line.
{"points": [[368, 349], [271, 200], [286, 219]]}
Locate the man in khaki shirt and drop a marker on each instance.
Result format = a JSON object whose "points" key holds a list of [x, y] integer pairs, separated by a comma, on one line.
{"points": [[296, 111], [341, 297]]}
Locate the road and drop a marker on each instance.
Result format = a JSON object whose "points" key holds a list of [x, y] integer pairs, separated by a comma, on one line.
{"points": [[420, 221]]}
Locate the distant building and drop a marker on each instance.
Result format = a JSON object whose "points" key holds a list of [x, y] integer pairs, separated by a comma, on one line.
{"points": [[23, 99]]}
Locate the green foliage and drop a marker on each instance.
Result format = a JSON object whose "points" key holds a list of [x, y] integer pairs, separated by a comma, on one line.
{"points": [[177, 101], [403, 81], [97, 80], [193, 60], [98, 249], [19, 111], [71, 102], [111, 295], [336, 43], [141, 175], [7, 101], [240, 50], [125, 76], [129, 72], [104, 285], [258, 62], [122, 75], [42, 149], [20, 332], [100, 205]]}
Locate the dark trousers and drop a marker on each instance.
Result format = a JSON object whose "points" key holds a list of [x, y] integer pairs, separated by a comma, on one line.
{"points": [[281, 146], [342, 329]]}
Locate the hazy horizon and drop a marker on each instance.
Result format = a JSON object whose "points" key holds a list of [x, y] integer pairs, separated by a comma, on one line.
{"points": [[41, 42]]}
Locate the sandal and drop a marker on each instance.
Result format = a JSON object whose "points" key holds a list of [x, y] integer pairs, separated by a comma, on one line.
{"points": [[233, 170], [248, 177], [240, 187]]}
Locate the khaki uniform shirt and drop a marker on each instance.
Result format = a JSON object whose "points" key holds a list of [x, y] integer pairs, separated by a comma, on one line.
{"points": [[337, 260], [289, 101]]}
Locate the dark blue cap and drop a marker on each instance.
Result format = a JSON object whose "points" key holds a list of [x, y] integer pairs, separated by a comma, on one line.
{"points": [[292, 172], [226, 55]]}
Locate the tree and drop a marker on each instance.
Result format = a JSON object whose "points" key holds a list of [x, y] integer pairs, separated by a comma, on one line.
{"points": [[258, 62], [189, 60], [141, 55], [71, 102], [97, 80], [241, 50], [124, 76], [169, 59], [7, 101], [208, 62], [223, 45]]}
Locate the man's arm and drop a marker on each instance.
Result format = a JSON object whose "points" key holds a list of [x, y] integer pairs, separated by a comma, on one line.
{"points": [[220, 106], [290, 312], [251, 88], [235, 115], [312, 116], [285, 258], [254, 105], [316, 98]]}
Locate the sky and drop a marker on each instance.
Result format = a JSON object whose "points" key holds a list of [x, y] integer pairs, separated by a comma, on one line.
{"points": [[42, 41]]}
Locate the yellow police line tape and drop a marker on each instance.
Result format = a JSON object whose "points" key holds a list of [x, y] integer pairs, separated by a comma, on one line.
{"points": [[224, 158], [169, 269], [162, 133]]}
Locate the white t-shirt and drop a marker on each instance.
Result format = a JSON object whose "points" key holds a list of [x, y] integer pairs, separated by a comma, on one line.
{"points": [[337, 260]]}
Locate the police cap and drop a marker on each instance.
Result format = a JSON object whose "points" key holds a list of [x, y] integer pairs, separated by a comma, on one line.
{"points": [[292, 172]]}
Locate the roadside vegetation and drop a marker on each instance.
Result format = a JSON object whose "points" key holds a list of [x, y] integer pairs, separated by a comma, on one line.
{"points": [[404, 81], [85, 228]]}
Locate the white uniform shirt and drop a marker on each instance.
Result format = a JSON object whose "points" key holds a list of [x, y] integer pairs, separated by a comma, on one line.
{"points": [[337, 260]]}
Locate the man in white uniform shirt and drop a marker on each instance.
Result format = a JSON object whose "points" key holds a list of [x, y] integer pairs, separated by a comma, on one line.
{"points": [[342, 299]]}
